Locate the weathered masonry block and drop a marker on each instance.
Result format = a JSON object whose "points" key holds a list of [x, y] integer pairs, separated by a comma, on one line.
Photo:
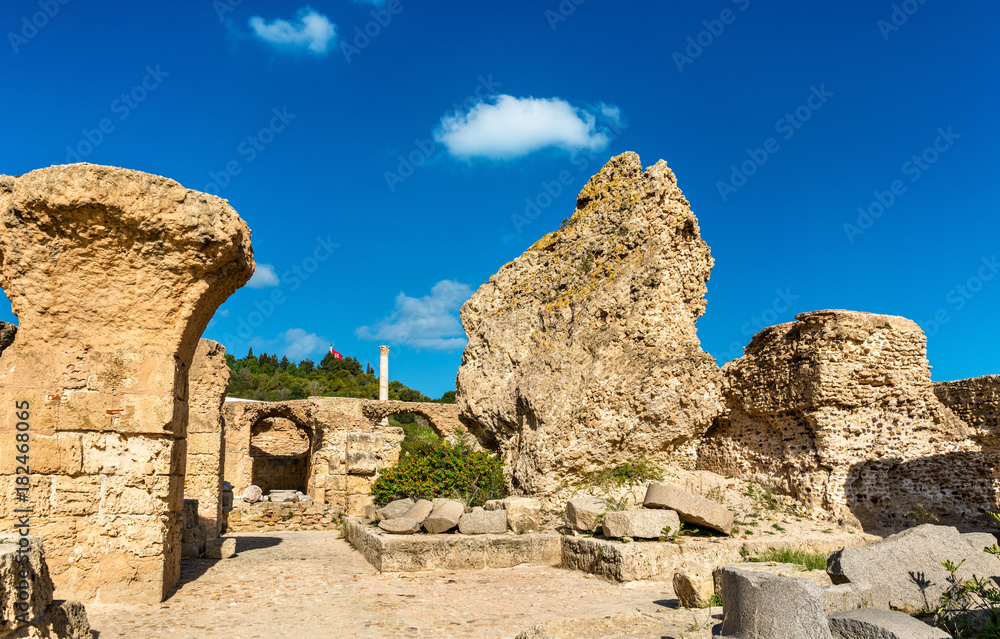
{"points": [[839, 409], [207, 384], [113, 275]]}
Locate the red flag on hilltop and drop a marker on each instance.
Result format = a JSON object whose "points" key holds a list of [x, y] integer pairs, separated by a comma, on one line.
{"points": [[335, 353]]}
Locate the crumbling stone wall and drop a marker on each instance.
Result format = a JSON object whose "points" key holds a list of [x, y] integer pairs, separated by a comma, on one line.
{"points": [[839, 409], [583, 352], [347, 447], [113, 275], [269, 516], [975, 401], [207, 384]]}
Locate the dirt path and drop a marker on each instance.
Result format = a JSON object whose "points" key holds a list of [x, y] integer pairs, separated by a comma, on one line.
{"points": [[312, 585]]}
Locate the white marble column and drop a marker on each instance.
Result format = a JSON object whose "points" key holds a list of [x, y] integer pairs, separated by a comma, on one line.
{"points": [[383, 377]]}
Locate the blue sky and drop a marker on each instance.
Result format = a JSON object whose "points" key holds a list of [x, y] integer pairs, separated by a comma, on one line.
{"points": [[386, 175]]}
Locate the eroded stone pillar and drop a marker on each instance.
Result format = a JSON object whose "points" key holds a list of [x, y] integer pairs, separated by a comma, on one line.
{"points": [[113, 275], [207, 384], [383, 378]]}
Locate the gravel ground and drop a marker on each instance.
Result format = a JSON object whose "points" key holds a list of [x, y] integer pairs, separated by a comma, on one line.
{"points": [[312, 585]]}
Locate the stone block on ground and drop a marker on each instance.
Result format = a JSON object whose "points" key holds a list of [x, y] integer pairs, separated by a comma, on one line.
{"points": [[193, 542], [584, 513], [400, 526], [395, 508], [757, 605], [483, 522], [980, 539], [690, 507], [419, 511], [851, 596], [371, 511], [872, 623], [778, 570], [220, 548], [642, 524], [445, 516], [694, 590], [907, 565], [524, 514]]}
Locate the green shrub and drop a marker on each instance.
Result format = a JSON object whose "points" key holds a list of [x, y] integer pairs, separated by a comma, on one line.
{"points": [[414, 434], [631, 473], [429, 469]]}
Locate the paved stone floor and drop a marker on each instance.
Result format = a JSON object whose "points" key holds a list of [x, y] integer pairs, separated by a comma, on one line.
{"points": [[312, 585]]}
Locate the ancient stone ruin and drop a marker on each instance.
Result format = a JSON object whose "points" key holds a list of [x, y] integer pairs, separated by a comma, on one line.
{"points": [[328, 448], [583, 355], [583, 351], [838, 409], [113, 275]]}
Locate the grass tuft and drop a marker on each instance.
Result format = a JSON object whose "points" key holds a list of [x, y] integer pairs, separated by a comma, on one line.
{"points": [[808, 560]]}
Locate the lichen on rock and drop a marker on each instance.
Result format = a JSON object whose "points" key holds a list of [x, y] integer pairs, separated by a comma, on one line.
{"points": [[583, 351]]}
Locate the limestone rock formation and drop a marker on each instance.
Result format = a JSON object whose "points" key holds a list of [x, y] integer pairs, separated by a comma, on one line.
{"points": [[207, 384], [113, 275], [839, 409], [583, 351]]}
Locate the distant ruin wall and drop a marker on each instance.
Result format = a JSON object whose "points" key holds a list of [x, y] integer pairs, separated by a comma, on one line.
{"points": [[347, 447], [839, 410]]}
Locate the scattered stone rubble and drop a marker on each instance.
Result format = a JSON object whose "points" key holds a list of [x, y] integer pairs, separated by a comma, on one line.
{"points": [[894, 578], [583, 351], [520, 515], [27, 609]]}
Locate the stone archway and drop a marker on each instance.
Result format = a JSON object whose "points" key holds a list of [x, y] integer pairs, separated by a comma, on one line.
{"points": [[280, 455], [113, 275]]}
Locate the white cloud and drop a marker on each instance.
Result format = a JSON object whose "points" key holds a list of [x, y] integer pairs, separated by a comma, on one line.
{"points": [[310, 30], [505, 127], [263, 277], [299, 344], [429, 322], [224, 312]]}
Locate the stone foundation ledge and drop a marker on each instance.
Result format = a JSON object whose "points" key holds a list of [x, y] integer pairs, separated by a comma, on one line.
{"points": [[639, 560], [289, 516], [415, 553]]}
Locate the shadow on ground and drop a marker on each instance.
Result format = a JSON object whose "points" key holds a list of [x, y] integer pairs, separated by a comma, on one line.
{"points": [[192, 569]]}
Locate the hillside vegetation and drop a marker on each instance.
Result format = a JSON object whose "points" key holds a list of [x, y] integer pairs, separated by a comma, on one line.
{"points": [[265, 377]]}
